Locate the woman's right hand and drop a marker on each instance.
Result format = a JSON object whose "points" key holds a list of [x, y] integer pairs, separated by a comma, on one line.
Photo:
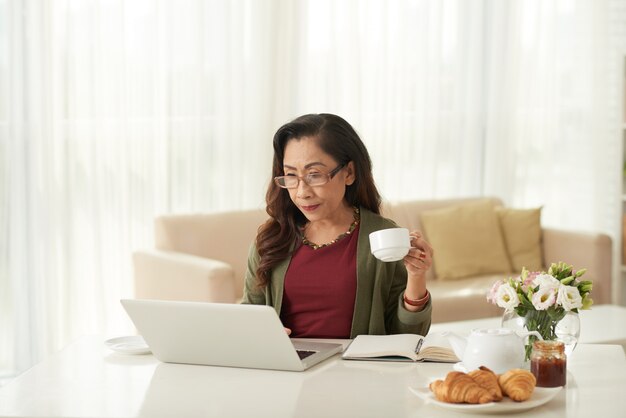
{"points": [[287, 330]]}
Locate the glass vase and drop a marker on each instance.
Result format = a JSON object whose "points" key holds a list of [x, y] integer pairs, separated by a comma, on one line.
{"points": [[567, 330]]}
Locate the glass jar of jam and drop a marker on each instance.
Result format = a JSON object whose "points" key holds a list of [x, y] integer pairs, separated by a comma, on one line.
{"points": [[548, 363]]}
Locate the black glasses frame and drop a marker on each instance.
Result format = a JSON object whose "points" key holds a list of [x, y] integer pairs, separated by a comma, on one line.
{"points": [[280, 180]]}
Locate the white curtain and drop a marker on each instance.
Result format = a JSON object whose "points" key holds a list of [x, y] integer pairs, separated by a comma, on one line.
{"points": [[552, 110], [113, 112], [408, 75]]}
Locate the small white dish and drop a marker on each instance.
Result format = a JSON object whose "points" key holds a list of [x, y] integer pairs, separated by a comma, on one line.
{"points": [[539, 397], [133, 344]]}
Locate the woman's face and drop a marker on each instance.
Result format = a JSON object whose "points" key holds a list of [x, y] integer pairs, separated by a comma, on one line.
{"points": [[303, 156]]}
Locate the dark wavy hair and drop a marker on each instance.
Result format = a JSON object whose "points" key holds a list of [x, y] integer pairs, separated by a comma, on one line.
{"points": [[337, 138]]}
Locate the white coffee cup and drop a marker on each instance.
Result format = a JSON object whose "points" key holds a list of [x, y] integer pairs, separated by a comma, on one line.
{"points": [[390, 244]]}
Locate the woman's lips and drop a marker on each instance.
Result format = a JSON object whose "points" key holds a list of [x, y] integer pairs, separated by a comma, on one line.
{"points": [[309, 208]]}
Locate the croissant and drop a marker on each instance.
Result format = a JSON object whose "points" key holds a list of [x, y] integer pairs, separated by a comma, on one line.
{"points": [[488, 380], [517, 384], [459, 388]]}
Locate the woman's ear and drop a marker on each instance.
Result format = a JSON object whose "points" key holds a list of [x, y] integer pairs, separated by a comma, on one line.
{"points": [[350, 173]]}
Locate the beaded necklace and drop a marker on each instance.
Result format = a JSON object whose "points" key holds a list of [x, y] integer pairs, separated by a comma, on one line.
{"points": [[357, 218]]}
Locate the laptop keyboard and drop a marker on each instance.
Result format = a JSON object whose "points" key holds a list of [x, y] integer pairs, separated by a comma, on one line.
{"points": [[305, 353]]}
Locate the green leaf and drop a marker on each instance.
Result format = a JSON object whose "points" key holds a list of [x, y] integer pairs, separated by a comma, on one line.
{"points": [[524, 274], [587, 302], [585, 286]]}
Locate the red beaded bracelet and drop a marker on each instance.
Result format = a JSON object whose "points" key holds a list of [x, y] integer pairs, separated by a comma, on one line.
{"points": [[418, 302]]}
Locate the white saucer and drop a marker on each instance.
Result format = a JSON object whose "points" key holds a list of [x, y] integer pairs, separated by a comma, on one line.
{"points": [[133, 344]]}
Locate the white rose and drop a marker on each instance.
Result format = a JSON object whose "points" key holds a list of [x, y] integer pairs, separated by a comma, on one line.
{"points": [[544, 298], [506, 297], [546, 281], [569, 298]]}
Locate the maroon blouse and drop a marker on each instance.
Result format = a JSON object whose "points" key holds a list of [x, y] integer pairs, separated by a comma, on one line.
{"points": [[320, 290]]}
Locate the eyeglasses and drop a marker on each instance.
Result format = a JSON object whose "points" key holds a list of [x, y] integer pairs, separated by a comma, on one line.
{"points": [[313, 179]]}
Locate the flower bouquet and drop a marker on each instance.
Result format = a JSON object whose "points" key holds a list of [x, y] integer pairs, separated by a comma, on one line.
{"points": [[543, 298]]}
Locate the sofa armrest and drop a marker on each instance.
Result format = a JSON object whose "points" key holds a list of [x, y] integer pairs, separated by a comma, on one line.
{"points": [[168, 275], [592, 251]]}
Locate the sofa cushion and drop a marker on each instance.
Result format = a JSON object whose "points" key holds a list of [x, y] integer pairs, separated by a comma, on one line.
{"points": [[406, 213], [455, 300], [522, 237], [467, 240]]}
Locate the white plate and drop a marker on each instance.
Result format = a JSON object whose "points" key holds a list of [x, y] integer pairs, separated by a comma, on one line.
{"points": [[460, 367], [539, 397], [133, 344]]}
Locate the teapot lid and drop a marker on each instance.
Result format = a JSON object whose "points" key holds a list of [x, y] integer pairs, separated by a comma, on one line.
{"points": [[494, 332]]}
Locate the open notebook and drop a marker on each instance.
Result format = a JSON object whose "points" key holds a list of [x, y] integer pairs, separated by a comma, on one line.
{"points": [[401, 347]]}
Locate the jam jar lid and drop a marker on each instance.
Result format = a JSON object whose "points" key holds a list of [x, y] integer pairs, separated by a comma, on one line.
{"points": [[549, 346]]}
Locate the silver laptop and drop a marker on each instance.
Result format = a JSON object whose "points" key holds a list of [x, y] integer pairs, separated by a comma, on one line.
{"points": [[221, 334]]}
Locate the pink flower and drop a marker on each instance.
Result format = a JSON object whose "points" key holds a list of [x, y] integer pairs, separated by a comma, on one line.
{"points": [[491, 295], [529, 279]]}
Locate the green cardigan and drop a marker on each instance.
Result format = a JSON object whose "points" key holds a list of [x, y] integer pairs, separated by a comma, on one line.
{"points": [[378, 309]]}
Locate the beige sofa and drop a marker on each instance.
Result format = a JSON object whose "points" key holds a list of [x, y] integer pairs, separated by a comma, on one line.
{"points": [[202, 257]]}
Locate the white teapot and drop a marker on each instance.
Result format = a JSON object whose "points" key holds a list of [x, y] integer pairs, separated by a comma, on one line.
{"points": [[499, 349]]}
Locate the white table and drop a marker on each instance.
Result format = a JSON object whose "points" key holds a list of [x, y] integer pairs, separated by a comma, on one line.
{"points": [[604, 324], [87, 380]]}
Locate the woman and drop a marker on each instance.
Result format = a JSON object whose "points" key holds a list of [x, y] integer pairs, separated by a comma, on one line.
{"points": [[311, 260]]}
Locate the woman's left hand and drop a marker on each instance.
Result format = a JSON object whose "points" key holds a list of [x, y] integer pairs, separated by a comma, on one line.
{"points": [[417, 262], [420, 256]]}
